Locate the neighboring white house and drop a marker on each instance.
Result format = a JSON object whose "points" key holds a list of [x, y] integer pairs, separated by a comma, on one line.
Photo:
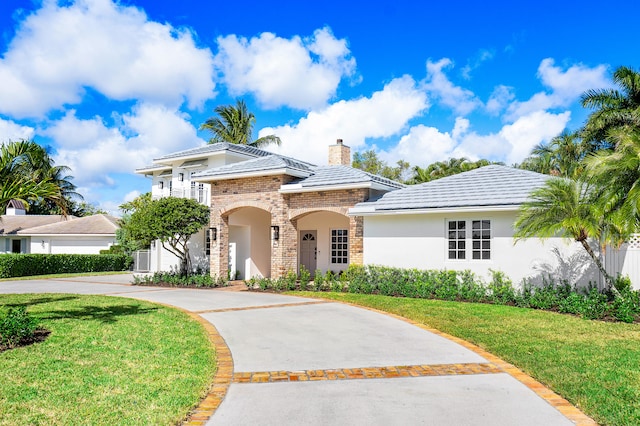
{"points": [[54, 234], [466, 221]]}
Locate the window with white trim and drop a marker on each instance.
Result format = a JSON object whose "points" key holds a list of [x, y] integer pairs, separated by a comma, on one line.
{"points": [[339, 246], [457, 230], [478, 239], [481, 239]]}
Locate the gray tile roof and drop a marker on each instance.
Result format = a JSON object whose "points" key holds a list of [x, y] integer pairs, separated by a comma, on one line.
{"points": [[99, 224], [10, 225], [484, 187], [340, 175], [270, 162], [216, 147]]}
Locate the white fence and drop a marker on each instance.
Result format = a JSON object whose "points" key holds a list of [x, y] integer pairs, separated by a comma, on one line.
{"points": [[142, 261], [625, 260]]}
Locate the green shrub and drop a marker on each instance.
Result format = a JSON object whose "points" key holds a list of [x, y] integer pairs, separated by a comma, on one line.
{"points": [[466, 286], [317, 280], [265, 283], [16, 325], [114, 249], [174, 279], [626, 307], [572, 304], [305, 277], [22, 265], [501, 288], [291, 280], [595, 305], [622, 284]]}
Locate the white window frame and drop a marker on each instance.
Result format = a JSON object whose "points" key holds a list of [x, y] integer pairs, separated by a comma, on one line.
{"points": [[456, 238], [476, 244], [342, 237]]}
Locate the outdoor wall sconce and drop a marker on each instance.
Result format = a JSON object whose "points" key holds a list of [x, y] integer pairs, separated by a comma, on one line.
{"points": [[275, 232], [161, 185], [181, 177], [214, 234]]}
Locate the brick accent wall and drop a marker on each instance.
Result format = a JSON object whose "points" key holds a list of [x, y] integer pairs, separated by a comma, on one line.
{"points": [[228, 196]]}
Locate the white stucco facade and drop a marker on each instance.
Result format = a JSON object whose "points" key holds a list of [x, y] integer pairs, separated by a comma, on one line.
{"points": [[323, 223], [421, 241]]}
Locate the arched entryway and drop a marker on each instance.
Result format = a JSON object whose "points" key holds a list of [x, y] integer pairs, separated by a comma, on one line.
{"points": [[323, 241], [249, 242]]}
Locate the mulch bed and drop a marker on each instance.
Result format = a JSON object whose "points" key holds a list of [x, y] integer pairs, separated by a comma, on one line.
{"points": [[40, 335]]}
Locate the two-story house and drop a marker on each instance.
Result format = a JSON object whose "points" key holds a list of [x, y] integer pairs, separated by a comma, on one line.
{"points": [[269, 213]]}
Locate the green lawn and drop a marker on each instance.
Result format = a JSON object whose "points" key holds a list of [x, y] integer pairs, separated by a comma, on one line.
{"points": [[593, 364], [107, 361], [70, 275]]}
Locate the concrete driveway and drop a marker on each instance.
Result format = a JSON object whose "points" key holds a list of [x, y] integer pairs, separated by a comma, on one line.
{"points": [[304, 361]]}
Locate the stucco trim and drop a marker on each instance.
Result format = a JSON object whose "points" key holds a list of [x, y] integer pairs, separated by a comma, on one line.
{"points": [[230, 208], [295, 214]]}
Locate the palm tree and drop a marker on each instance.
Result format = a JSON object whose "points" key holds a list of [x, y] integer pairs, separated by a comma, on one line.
{"points": [[441, 169], [234, 124], [562, 156], [614, 108], [572, 209], [21, 180], [618, 172]]}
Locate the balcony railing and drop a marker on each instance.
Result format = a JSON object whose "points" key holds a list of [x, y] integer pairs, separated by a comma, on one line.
{"points": [[201, 195]]}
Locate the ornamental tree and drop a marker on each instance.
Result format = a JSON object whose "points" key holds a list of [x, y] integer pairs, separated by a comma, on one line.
{"points": [[172, 221]]}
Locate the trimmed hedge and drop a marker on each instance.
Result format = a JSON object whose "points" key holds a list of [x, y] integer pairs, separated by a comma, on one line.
{"points": [[22, 265], [464, 286]]}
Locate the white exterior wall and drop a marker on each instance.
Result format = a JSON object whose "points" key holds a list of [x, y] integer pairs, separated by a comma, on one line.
{"points": [[163, 260], [420, 241], [90, 244], [323, 223], [250, 229]]}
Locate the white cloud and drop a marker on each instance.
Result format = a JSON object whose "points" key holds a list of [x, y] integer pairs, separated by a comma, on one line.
{"points": [[424, 145], [95, 152], [483, 55], [530, 130], [383, 114], [565, 87], [499, 99], [12, 131], [59, 50], [421, 146], [132, 195], [299, 73], [438, 85]]}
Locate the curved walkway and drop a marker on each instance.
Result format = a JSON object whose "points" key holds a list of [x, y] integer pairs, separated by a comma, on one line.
{"points": [[293, 360]]}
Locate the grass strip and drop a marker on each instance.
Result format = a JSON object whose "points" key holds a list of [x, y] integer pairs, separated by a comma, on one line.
{"points": [[593, 364], [70, 275], [107, 361]]}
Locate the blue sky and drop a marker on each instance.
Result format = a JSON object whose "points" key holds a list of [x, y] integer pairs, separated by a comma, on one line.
{"points": [[111, 85]]}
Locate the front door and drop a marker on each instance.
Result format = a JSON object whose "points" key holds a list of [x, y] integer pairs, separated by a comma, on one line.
{"points": [[308, 250]]}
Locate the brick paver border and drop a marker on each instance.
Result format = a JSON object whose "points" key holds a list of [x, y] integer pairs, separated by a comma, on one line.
{"points": [[221, 380], [367, 373]]}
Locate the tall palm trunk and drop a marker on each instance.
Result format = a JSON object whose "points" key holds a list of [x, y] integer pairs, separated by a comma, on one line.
{"points": [[608, 278]]}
